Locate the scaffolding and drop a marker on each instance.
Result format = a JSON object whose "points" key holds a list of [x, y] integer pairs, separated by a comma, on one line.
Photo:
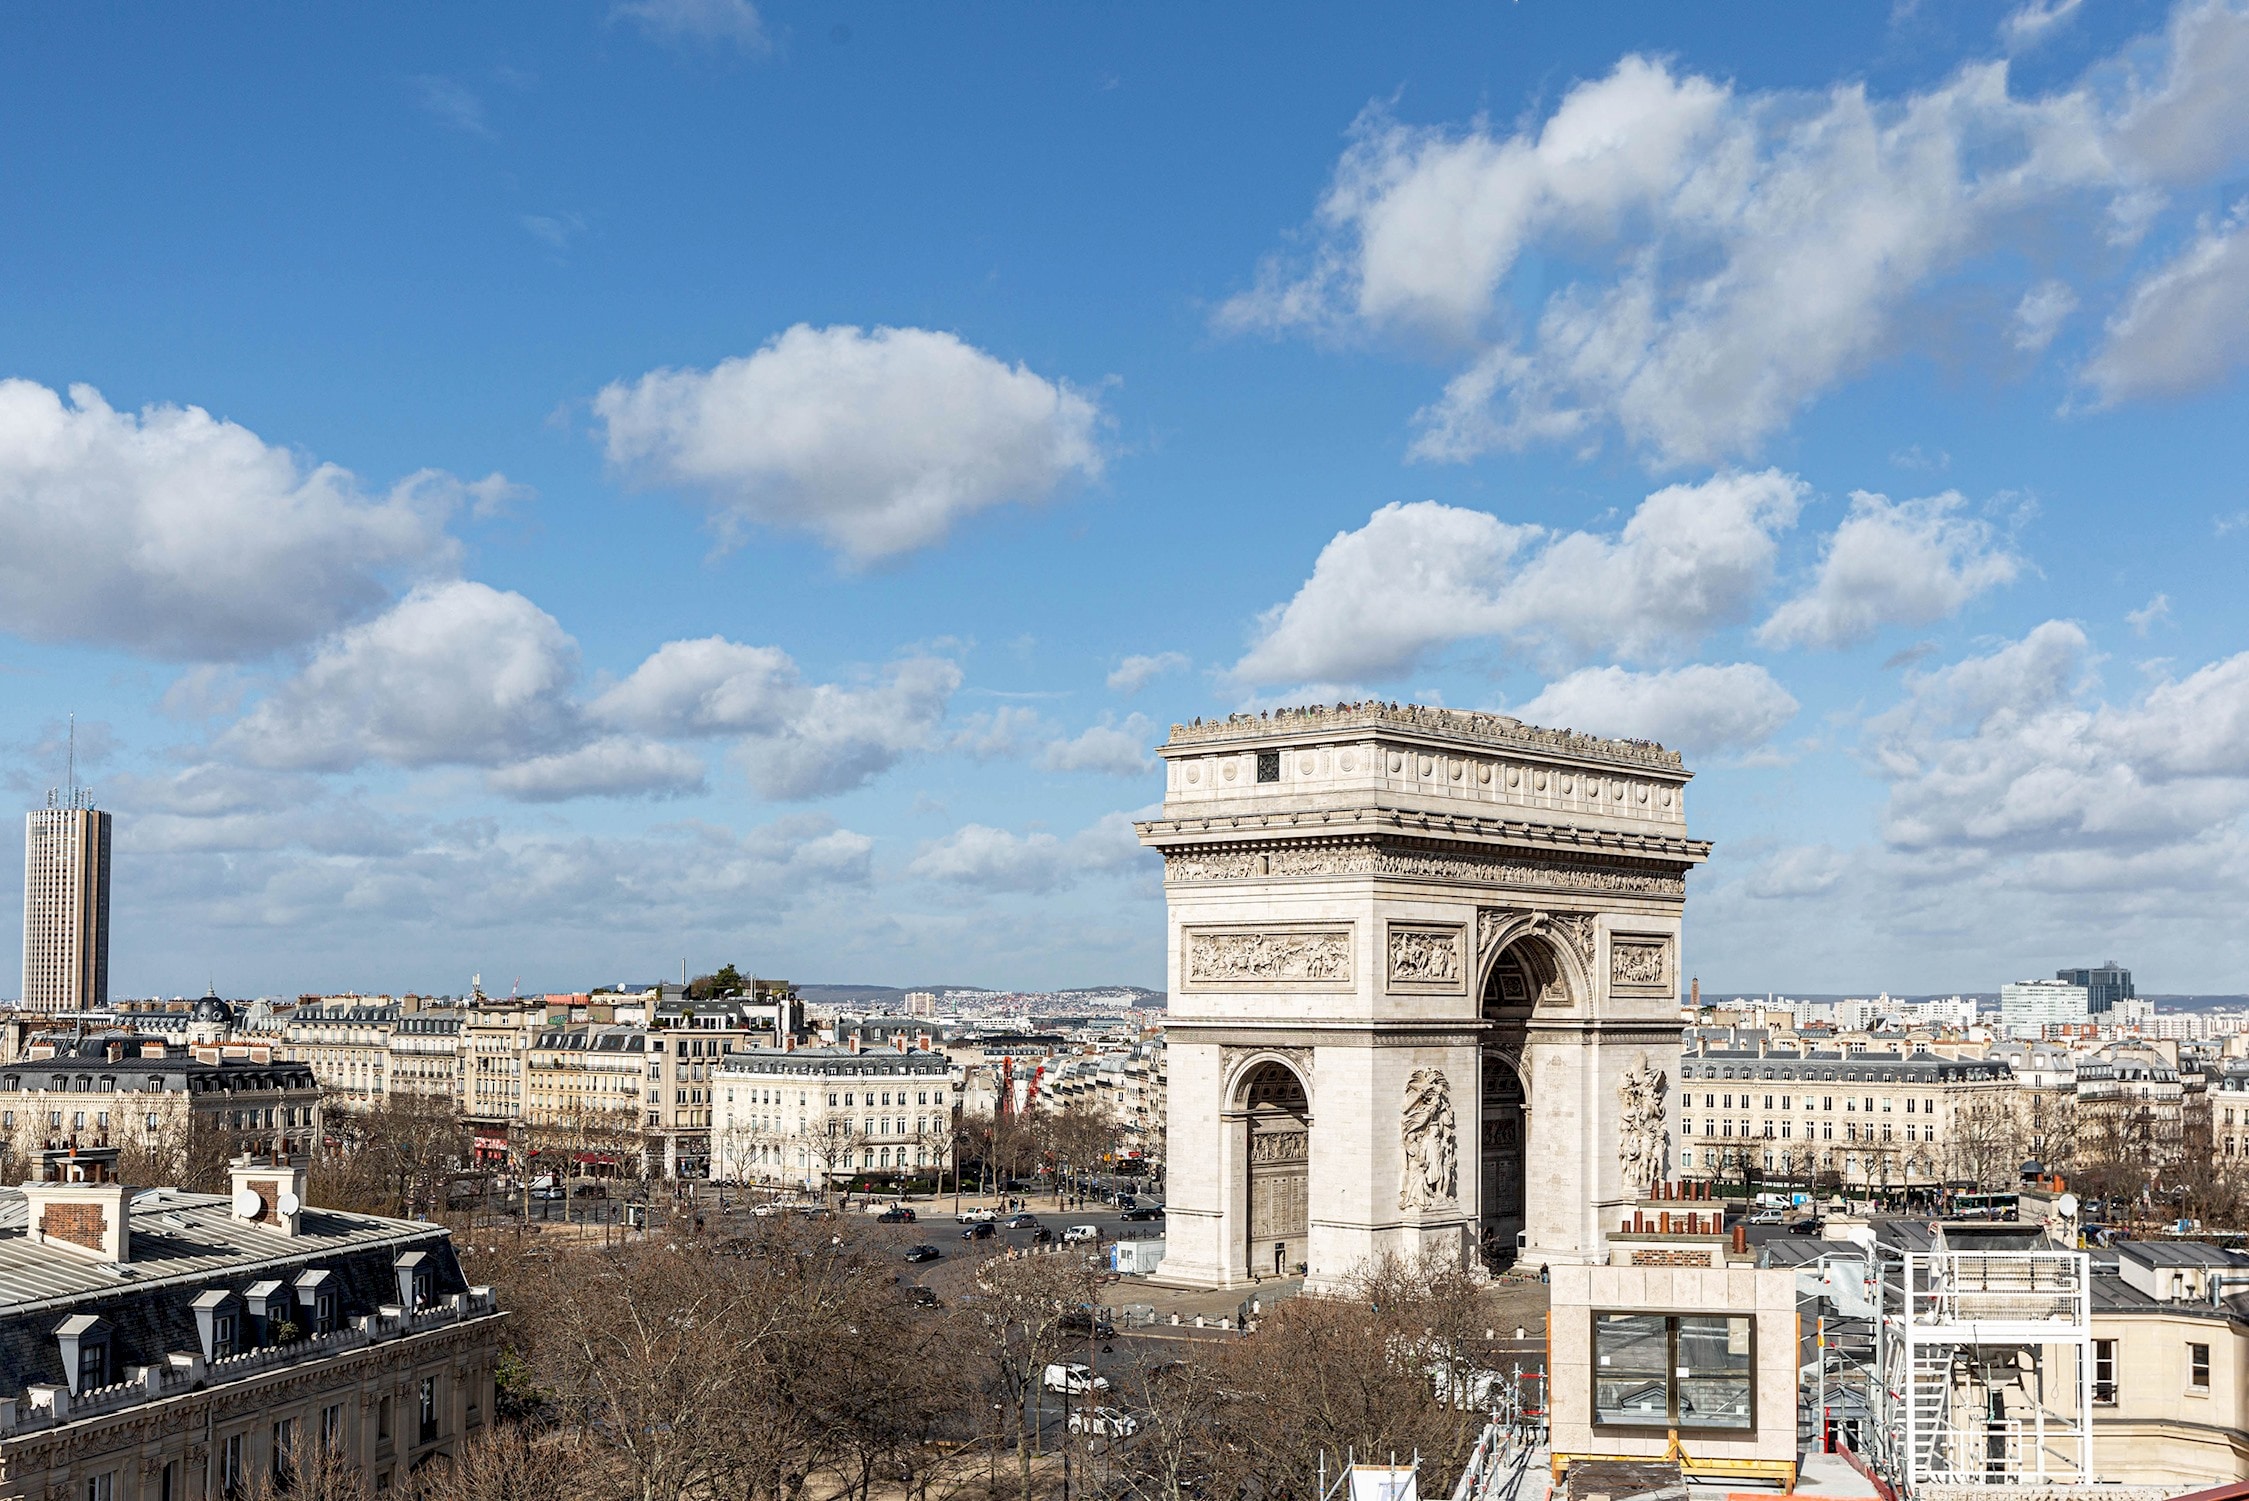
{"points": [[1983, 1364]]}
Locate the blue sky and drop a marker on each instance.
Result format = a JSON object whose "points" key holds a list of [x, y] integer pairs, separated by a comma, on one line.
{"points": [[551, 491]]}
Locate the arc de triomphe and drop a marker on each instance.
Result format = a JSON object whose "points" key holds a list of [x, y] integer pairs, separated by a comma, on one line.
{"points": [[1424, 986]]}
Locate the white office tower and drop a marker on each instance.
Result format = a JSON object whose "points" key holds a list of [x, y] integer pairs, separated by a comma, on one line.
{"points": [[66, 905]]}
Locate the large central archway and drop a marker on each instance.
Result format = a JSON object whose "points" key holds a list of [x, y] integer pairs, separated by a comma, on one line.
{"points": [[1506, 1010]]}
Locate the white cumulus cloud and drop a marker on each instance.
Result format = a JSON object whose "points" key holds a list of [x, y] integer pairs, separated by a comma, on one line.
{"points": [[1686, 264], [793, 739], [877, 443], [456, 673], [2028, 24], [1117, 750], [612, 766], [2014, 755], [708, 686], [1137, 672], [171, 533], [841, 737], [1892, 563], [2185, 325], [1419, 577], [978, 857], [1697, 708]]}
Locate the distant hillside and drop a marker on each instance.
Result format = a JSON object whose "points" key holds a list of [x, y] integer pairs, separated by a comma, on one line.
{"points": [[893, 997], [1988, 999]]}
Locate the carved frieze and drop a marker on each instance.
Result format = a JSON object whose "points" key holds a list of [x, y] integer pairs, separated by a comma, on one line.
{"points": [[1269, 1147], [1621, 877], [1640, 963], [1426, 958], [1310, 957]]}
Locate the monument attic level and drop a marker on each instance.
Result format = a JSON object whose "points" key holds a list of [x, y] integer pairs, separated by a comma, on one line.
{"points": [[1424, 979]]}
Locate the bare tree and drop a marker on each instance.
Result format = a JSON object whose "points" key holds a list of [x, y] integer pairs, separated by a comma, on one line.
{"points": [[1391, 1367], [1983, 1145], [508, 1463], [1019, 1313]]}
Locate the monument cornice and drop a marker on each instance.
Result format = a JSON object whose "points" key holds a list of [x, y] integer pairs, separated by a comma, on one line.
{"points": [[1467, 829]]}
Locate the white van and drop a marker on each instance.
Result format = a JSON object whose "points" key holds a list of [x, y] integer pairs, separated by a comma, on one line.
{"points": [[1074, 1378], [1076, 1233]]}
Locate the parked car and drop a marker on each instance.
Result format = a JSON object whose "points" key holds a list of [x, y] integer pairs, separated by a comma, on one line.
{"points": [[1077, 1233], [1078, 1321], [1073, 1378], [922, 1297], [1108, 1422], [1023, 1222], [1150, 1212], [981, 1230], [547, 1193], [975, 1217], [896, 1214], [923, 1253]]}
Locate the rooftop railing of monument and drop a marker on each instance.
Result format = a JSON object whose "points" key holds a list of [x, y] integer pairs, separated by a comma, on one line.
{"points": [[1491, 729]]}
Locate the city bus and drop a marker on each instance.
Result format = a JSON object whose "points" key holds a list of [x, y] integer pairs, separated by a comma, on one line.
{"points": [[1970, 1205]]}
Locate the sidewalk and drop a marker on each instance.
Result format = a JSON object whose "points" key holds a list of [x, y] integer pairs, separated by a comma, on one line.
{"points": [[1512, 1303]]}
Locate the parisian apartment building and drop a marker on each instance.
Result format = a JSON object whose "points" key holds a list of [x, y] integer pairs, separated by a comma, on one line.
{"points": [[160, 1345]]}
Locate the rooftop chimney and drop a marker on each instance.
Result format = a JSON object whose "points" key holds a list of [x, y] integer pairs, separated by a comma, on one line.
{"points": [[73, 1200], [268, 1191]]}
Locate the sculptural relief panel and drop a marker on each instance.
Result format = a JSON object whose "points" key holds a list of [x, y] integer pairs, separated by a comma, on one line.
{"points": [[1427, 958], [1641, 1136], [1281, 956], [1639, 963], [1430, 1136]]}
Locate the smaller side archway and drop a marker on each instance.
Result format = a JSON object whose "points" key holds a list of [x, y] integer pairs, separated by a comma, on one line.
{"points": [[1271, 1099], [1527, 973]]}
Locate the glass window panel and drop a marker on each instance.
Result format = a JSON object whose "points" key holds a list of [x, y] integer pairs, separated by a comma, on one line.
{"points": [[1714, 1372], [1630, 1357]]}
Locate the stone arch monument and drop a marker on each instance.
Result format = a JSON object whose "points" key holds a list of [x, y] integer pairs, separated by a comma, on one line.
{"points": [[1424, 987]]}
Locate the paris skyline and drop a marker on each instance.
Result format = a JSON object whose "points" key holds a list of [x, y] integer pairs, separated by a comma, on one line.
{"points": [[541, 493]]}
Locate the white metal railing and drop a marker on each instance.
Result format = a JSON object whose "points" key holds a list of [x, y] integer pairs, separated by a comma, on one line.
{"points": [[2012, 1287], [1984, 1368], [1496, 1466]]}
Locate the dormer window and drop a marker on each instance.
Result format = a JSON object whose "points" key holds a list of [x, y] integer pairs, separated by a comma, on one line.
{"points": [[316, 1290], [93, 1364], [269, 1310], [84, 1340], [218, 1323]]}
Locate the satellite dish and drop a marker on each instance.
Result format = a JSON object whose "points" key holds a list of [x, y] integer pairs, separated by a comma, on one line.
{"points": [[289, 1203], [247, 1203], [2066, 1206]]}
